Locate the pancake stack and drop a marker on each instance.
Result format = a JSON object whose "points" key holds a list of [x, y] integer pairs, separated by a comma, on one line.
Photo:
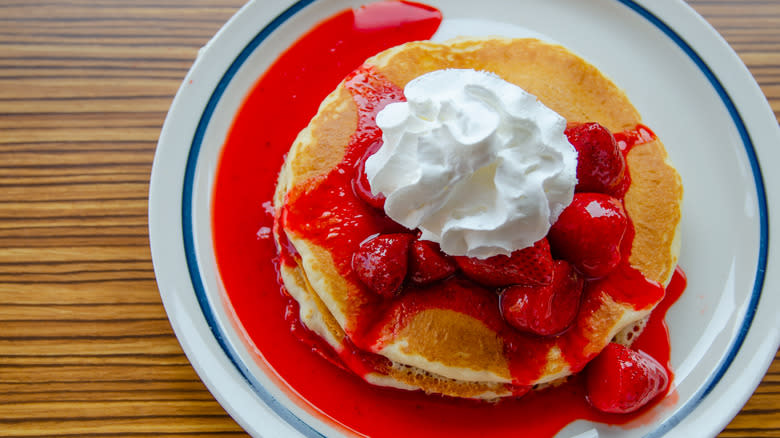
{"points": [[449, 339]]}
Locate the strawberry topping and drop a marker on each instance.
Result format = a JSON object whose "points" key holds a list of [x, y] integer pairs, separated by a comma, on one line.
{"points": [[544, 310], [589, 232], [427, 263], [360, 183], [601, 167], [381, 263], [538, 295], [532, 266], [620, 380]]}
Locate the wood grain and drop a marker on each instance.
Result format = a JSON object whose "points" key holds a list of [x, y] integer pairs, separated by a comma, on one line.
{"points": [[85, 345]]}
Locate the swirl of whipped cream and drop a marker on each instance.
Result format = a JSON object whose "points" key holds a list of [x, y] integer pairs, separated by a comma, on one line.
{"points": [[479, 165]]}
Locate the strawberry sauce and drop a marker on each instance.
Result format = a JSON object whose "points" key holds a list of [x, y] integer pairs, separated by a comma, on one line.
{"points": [[278, 107]]}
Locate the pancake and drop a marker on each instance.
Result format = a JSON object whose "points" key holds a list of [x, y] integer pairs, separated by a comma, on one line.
{"points": [[449, 338]]}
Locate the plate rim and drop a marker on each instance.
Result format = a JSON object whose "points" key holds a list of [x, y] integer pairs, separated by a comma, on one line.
{"points": [[294, 7]]}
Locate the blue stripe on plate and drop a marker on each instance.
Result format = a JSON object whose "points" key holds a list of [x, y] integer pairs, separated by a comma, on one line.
{"points": [[189, 236], [758, 283], [300, 425]]}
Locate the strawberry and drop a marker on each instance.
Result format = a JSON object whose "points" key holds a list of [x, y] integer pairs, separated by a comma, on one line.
{"points": [[601, 167], [381, 263], [546, 310], [621, 380], [360, 184], [427, 263], [589, 232], [532, 265]]}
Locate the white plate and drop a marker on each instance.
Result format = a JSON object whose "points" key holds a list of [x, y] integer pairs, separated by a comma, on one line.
{"points": [[690, 88]]}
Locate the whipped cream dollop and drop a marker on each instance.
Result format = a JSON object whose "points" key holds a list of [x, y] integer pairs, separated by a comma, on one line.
{"points": [[479, 165]]}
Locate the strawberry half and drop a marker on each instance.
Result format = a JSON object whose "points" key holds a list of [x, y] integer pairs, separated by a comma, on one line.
{"points": [[601, 166], [620, 380], [381, 263], [544, 310], [428, 264], [589, 232], [532, 265]]}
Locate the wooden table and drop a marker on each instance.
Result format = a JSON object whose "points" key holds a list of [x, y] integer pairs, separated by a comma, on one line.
{"points": [[85, 345]]}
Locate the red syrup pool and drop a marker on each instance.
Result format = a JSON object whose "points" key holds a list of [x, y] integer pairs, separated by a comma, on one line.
{"points": [[245, 253]]}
